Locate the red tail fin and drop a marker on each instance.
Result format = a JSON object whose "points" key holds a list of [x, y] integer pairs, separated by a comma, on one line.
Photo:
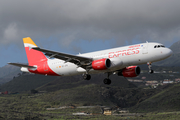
{"points": [[34, 57]]}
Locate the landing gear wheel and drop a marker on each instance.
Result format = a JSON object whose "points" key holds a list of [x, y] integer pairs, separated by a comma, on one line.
{"points": [[151, 71], [150, 68], [107, 81], [86, 76]]}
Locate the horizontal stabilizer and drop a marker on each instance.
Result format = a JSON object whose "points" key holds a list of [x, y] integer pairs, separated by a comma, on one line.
{"points": [[22, 65]]}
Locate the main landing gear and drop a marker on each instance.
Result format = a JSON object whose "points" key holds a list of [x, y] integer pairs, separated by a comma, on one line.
{"points": [[86, 76], [106, 81], [150, 68]]}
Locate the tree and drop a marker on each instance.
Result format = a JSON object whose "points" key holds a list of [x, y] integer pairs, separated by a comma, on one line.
{"points": [[33, 91]]}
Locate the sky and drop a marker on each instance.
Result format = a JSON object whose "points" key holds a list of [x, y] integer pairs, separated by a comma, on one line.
{"points": [[80, 26]]}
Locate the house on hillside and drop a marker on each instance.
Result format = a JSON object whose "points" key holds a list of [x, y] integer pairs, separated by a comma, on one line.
{"points": [[5, 93], [153, 84], [177, 80], [167, 81], [81, 113], [107, 111]]}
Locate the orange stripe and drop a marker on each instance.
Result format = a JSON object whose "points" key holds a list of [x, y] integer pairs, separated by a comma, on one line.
{"points": [[29, 41]]}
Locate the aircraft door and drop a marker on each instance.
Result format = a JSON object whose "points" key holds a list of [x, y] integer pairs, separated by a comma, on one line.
{"points": [[145, 48]]}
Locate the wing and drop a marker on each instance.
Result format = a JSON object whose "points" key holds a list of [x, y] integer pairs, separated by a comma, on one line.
{"points": [[81, 61], [22, 65]]}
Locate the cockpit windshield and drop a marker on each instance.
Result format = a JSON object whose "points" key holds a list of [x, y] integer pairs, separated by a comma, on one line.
{"points": [[159, 46]]}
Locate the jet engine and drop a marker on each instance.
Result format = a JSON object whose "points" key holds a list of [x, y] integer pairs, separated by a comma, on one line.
{"points": [[131, 71], [101, 64]]}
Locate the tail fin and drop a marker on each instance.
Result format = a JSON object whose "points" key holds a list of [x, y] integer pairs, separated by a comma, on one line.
{"points": [[33, 56]]}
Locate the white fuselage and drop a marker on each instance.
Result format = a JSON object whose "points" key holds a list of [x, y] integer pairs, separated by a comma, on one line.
{"points": [[120, 58]]}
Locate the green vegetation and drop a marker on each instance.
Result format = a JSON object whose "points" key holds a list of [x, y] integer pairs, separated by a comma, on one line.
{"points": [[26, 83], [22, 106], [72, 91], [165, 100]]}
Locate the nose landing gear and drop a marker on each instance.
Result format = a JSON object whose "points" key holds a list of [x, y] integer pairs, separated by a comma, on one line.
{"points": [[150, 68]]}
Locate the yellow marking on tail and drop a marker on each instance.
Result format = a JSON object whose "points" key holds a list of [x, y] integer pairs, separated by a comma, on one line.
{"points": [[29, 41]]}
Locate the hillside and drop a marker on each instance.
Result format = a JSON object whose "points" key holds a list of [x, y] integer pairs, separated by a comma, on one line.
{"points": [[34, 107], [165, 100], [50, 83], [93, 94], [72, 90], [54, 83], [175, 47], [174, 59], [26, 83], [75, 81], [7, 72]]}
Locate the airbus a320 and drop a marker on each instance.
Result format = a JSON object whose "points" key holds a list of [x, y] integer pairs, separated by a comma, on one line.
{"points": [[122, 61]]}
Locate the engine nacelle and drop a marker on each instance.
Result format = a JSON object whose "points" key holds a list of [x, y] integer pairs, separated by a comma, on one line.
{"points": [[101, 64], [131, 71]]}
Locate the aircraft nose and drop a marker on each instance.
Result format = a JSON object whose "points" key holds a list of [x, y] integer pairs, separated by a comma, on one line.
{"points": [[169, 52]]}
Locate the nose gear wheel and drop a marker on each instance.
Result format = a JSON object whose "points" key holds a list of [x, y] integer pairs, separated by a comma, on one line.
{"points": [[150, 68]]}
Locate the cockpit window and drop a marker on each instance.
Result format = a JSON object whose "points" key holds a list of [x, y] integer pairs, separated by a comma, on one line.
{"points": [[158, 46]]}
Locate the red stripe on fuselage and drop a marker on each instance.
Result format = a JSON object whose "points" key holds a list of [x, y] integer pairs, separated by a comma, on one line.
{"points": [[43, 68]]}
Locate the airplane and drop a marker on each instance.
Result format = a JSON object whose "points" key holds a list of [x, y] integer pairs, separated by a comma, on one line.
{"points": [[122, 61]]}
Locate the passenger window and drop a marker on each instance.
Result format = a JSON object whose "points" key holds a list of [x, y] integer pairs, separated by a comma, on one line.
{"points": [[155, 46]]}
